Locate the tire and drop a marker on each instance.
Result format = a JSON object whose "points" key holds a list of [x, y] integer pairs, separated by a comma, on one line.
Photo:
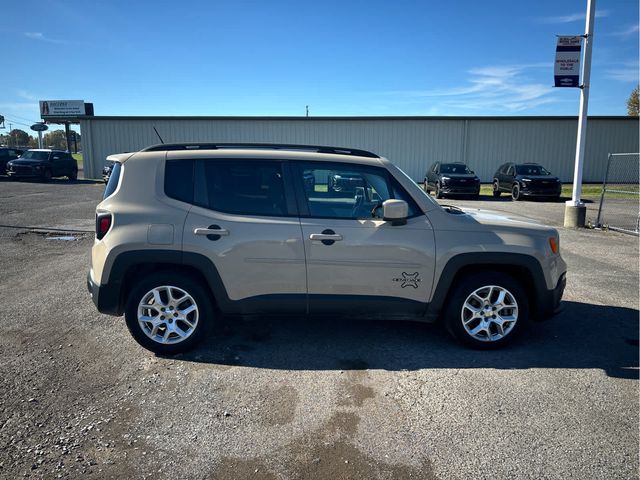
{"points": [[481, 283], [201, 318], [515, 192], [73, 175], [438, 192], [496, 190], [425, 185], [46, 176]]}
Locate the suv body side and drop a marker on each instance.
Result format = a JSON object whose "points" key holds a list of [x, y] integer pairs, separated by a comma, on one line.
{"points": [[273, 265]]}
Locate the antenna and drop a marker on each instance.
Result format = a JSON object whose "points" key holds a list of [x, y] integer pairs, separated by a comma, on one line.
{"points": [[154, 129]]}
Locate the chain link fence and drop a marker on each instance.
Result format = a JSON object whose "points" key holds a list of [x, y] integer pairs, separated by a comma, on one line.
{"points": [[619, 207]]}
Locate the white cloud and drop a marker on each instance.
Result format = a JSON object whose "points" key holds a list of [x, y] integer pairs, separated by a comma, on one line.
{"points": [[624, 72], [573, 17], [627, 32], [40, 37], [501, 88]]}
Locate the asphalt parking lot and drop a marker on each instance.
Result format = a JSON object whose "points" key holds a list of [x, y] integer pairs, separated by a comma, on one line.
{"points": [[294, 399]]}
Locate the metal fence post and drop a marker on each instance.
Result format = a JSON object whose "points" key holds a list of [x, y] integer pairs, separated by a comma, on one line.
{"points": [[604, 187]]}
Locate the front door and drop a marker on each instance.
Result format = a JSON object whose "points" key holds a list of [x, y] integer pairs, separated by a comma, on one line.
{"points": [[244, 220], [357, 263]]}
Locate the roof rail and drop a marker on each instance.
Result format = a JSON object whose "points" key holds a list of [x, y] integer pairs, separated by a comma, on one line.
{"points": [[260, 146]]}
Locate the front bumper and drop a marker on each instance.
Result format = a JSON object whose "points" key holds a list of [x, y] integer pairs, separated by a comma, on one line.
{"points": [[25, 173], [549, 303], [460, 190], [106, 298]]}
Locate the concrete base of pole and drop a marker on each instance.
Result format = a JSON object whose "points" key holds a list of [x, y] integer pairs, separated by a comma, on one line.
{"points": [[575, 216]]}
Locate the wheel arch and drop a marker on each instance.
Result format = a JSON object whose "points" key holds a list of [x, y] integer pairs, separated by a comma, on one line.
{"points": [[132, 265], [524, 269]]}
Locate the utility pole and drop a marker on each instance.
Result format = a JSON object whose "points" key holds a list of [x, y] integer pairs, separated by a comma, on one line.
{"points": [[307, 108], [575, 210], [10, 135]]}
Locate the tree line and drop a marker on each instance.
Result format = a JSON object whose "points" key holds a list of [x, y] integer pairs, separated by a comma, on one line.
{"points": [[54, 139]]}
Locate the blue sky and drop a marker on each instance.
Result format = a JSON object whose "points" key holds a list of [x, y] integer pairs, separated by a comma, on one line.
{"points": [[429, 57]]}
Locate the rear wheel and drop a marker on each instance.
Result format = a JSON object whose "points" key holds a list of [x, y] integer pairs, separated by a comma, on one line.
{"points": [[426, 187], [496, 190], [73, 175], [168, 313], [515, 192], [487, 310]]}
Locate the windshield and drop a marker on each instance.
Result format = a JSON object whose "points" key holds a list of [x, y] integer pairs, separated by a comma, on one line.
{"points": [[454, 168], [531, 170], [31, 155]]}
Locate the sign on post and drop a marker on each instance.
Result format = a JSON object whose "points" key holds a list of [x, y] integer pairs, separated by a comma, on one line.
{"points": [[61, 108], [567, 66]]}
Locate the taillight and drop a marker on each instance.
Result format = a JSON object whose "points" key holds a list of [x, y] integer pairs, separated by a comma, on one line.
{"points": [[103, 224]]}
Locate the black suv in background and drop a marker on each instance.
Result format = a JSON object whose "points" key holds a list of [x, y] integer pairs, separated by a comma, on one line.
{"points": [[451, 179], [526, 180], [43, 164], [7, 154]]}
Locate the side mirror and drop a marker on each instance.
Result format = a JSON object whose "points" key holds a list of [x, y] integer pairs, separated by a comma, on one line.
{"points": [[395, 211]]}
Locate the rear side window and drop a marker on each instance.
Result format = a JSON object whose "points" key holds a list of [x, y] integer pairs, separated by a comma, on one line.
{"points": [[178, 179], [243, 187], [113, 180]]}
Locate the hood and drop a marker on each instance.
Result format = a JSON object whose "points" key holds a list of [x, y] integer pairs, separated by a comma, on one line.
{"points": [[28, 162], [459, 175], [472, 219], [539, 177]]}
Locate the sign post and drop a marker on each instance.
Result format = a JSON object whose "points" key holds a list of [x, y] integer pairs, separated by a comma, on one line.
{"points": [[39, 127], [575, 210]]}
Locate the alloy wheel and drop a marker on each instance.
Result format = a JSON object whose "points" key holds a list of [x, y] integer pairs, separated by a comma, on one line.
{"points": [[489, 313], [168, 314]]}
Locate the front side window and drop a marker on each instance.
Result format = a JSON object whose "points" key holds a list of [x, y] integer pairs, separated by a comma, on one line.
{"points": [[349, 191], [242, 187], [510, 170]]}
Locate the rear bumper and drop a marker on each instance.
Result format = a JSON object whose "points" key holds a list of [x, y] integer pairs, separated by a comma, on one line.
{"points": [[106, 298], [549, 301]]}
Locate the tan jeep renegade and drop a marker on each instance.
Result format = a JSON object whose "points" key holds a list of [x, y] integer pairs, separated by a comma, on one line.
{"points": [[189, 232]]}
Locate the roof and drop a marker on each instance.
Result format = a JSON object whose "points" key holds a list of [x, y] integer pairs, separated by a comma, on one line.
{"points": [[340, 118]]}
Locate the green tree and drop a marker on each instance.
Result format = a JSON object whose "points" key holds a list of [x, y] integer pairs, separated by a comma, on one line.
{"points": [[632, 103], [55, 139], [18, 138]]}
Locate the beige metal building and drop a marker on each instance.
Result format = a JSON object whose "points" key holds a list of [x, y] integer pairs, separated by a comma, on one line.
{"points": [[413, 143]]}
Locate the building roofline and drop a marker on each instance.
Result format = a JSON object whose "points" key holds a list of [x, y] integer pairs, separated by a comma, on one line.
{"points": [[337, 118]]}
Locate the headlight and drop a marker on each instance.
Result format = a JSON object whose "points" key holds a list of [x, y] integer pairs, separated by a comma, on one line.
{"points": [[526, 179], [445, 179]]}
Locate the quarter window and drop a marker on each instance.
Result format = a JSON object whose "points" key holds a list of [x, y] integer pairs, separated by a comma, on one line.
{"points": [[178, 179]]}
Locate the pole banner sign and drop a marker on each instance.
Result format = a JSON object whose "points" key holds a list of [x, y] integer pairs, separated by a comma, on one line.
{"points": [[567, 66]]}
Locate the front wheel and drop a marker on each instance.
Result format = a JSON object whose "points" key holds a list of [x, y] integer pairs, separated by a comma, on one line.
{"points": [[46, 176], [496, 190], [168, 313], [487, 310], [515, 193]]}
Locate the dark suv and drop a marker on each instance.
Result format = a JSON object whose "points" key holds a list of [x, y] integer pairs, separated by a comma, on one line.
{"points": [[451, 179], [44, 164], [7, 154], [526, 180]]}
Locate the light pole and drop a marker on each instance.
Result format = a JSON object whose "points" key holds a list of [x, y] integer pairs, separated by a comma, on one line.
{"points": [[575, 210]]}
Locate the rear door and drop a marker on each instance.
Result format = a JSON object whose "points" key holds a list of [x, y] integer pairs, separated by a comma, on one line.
{"points": [[358, 264], [245, 221]]}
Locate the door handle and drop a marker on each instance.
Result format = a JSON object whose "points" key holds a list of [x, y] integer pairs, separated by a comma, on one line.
{"points": [[327, 237], [213, 232]]}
